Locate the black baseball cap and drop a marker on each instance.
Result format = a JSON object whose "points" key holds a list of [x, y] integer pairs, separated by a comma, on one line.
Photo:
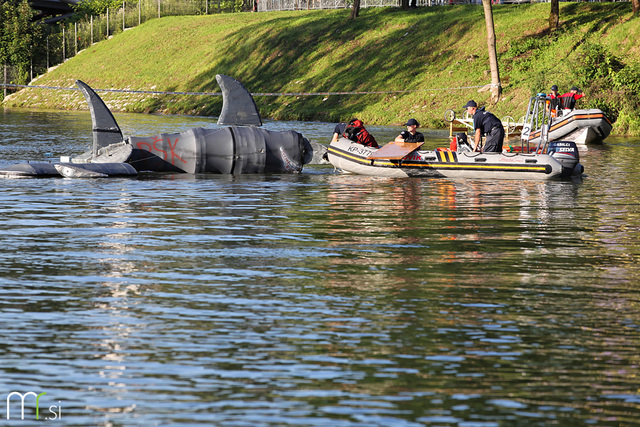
{"points": [[412, 122], [575, 88], [554, 87], [471, 103]]}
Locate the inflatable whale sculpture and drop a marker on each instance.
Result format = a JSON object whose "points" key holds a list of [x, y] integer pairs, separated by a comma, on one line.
{"points": [[240, 146]]}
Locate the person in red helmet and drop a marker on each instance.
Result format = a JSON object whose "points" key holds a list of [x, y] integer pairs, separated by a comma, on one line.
{"points": [[356, 132]]}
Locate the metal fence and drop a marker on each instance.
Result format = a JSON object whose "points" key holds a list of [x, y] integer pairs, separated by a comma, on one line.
{"points": [[73, 37], [274, 5], [83, 33], [66, 39]]}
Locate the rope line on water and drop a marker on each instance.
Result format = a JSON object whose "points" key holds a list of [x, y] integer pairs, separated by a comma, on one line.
{"points": [[152, 92]]}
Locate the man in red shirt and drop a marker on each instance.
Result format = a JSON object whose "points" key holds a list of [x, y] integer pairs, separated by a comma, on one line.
{"points": [[569, 99]]}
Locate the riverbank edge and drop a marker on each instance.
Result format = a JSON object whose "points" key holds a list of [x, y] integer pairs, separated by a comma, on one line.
{"points": [[393, 64]]}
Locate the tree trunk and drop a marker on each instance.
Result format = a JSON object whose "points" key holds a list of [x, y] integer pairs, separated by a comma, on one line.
{"points": [[496, 88], [355, 11], [554, 15], [404, 4], [636, 6]]}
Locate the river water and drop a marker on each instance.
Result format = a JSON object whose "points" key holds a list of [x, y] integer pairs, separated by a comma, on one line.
{"points": [[315, 299]]}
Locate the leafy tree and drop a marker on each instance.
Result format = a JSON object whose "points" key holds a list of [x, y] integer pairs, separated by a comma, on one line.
{"points": [[18, 36], [96, 7]]}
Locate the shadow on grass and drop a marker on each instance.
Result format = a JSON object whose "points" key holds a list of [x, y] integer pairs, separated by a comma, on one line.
{"points": [[342, 62]]}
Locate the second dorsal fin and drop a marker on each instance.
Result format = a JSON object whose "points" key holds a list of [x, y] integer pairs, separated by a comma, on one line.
{"points": [[238, 106]]}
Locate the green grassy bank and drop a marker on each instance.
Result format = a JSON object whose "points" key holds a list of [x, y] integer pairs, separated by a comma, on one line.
{"points": [[435, 52]]}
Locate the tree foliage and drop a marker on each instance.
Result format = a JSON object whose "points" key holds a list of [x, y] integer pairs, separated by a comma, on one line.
{"points": [[615, 82], [18, 35], [96, 7]]}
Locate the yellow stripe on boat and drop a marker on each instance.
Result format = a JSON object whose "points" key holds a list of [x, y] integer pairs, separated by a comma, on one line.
{"points": [[448, 161], [541, 168], [452, 156], [446, 156]]}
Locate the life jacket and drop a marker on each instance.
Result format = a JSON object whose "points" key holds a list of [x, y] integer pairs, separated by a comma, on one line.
{"points": [[568, 101], [554, 105], [357, 133]]}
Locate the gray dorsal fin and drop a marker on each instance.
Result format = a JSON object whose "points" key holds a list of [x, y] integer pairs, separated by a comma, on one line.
{"points": [[105, 128], [238, 106]]}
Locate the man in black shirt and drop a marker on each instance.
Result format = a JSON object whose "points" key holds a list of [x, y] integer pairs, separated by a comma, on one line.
{"points": [[410, 135], [487, 124], [338, 131]]}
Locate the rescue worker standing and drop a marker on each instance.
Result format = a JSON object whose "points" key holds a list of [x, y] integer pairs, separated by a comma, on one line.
{"points": [[487, 124], [569, 99], [554, 101]]}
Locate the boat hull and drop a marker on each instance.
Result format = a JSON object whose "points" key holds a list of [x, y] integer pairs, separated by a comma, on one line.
{"points": [[580, 126], [352, 158]]}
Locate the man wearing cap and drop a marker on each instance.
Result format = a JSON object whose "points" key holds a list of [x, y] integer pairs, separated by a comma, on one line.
{"points": [[410, 135], [487, 124], [553, 101], [569, 99]]}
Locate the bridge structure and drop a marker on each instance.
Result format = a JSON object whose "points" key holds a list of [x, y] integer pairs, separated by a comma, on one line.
{"points": [[52, 11]]}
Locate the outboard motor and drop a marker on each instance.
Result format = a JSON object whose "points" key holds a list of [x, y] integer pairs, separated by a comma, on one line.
{"points": [[566, 152]]}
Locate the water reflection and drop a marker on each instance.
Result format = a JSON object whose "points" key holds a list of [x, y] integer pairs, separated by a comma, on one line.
{"points": [[320, 298]]}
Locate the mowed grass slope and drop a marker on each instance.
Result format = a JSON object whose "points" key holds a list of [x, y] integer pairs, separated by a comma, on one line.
{"points": [[438, 55]]}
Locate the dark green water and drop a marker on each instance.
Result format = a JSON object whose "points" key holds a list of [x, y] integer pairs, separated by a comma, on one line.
{"points": [[316, 299]]}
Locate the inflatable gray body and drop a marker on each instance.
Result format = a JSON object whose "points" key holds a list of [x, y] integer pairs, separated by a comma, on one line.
{"points": [[241, 148], [237, 149], [229, 150]]}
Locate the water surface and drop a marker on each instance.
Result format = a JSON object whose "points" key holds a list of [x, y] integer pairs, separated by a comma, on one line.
{"points": [[316, 299]]}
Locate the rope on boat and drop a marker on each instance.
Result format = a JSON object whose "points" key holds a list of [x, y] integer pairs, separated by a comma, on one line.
{"points": [[153, 92]]}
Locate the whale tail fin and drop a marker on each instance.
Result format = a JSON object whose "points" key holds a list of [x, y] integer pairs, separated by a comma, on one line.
{"points": [[105, 128], [238, 106]]}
